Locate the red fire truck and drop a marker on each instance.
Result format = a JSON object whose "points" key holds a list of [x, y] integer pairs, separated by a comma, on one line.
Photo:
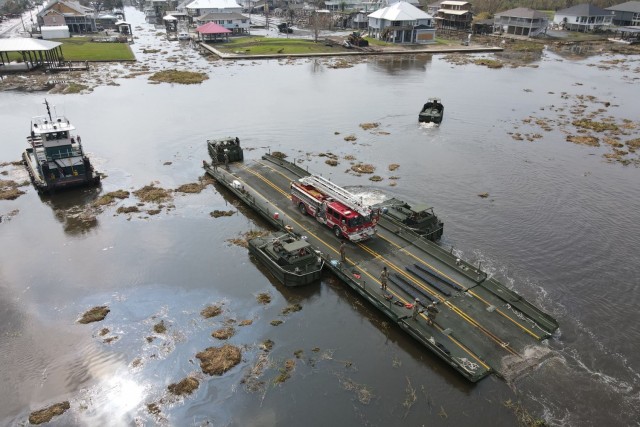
{"points": [[335, 207]]}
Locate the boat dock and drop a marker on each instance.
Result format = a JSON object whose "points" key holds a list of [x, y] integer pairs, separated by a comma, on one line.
{"points": [[480, 322]]}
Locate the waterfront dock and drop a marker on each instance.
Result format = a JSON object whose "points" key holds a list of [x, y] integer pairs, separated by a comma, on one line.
{"points": [[481, 324]]}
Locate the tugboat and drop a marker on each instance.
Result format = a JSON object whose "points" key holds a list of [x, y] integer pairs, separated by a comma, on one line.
{"points": [[288, 257], [432, 112], [229, 146], [418, 218], [55, 158]]}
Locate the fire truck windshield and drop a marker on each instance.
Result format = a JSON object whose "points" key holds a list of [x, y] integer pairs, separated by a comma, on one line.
{"points": [[358, 221]]}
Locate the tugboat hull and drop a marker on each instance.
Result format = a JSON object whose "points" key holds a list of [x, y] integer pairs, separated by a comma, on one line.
{"points": [[61, 183]]}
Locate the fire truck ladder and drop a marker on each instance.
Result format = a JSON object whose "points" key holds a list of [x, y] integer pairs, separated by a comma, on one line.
{"points": [[337, 192]]}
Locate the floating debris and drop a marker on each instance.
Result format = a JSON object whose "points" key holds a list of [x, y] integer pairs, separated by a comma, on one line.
{"points": [[9, 190], [218, 360], [267, 345], [363, 393], [244, 240], [245, 322], [367, 126], [153, 194], [153, 408], [95, 314], [192, 188], [217, 214], [393, 166], [223, 333], [160, 328], [45, 415], [264, 298], [211, 311], [483, 195], [291, 308], [127, 209], [103, 332], [350, 138], [331, 162], [276, 322], [285, 371], [298, 354], [184, 387], [181, 77], [109, 198], [375, 178], [591, 141], [363, 168]]}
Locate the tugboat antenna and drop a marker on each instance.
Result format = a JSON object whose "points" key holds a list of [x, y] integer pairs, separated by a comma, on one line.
{"points": [[48, 110]]}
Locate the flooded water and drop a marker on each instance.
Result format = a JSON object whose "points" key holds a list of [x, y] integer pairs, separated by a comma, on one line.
{"points": [[560, 226]]}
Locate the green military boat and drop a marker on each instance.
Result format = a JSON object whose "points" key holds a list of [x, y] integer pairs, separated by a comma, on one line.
{"points": [[290, 258], [417, 218], [229, 146]]}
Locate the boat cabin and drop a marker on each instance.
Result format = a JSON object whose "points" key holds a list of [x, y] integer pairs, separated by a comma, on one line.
{"points": [[291, 252]]}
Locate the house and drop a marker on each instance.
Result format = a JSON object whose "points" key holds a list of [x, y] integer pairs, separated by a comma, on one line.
{"points": [[583, 17], [626, 14], [454, 15], [432, 8], [521, 21], [202, 7], [78, 18], [235, 22], [402, 23]]}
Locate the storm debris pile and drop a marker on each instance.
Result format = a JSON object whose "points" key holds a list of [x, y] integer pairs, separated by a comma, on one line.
{"points": [[218, 360], [45, 415], [184, 387], [95, 314]]}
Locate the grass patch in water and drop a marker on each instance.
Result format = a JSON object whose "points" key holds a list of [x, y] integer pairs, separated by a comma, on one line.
{"points": [[223, 333], [151, 193], [45, 415], [160, 328], [9, 190], [95, 314], [264, 298], [363, 168], [180, 77], [83, 49], [109, 198], [218, 360], [211, 311], [184, 387]]}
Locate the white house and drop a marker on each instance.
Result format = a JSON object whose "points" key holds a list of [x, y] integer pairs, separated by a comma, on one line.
{"points": [[583, 17], [202, 7], [237, 23], [402, 23]]}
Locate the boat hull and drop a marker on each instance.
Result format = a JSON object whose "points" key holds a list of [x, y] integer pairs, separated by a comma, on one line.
{"points": [[61, 183], [287, 278]]}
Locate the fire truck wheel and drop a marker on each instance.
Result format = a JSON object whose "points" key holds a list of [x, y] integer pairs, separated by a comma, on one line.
{"points": [[337, 232], [303, 210]]}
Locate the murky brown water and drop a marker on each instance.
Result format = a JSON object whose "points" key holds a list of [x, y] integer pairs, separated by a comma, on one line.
{"points": [[559, 225]]}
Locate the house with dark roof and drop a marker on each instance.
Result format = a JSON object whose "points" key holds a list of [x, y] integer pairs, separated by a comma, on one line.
{"points": [[583, 17], [521, 21], [79, 19], [454, 14], [402, 23], [626, 14]]}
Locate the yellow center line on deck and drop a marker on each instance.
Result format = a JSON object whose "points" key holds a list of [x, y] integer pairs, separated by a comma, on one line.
{"points": [[530, 332], [274, 186], [449, 304]]}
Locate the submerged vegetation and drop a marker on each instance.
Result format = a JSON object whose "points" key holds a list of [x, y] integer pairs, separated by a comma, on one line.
{"points": [[180, 77]]}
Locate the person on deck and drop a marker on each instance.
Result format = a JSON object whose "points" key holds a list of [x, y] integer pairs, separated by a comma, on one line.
{"points": [[416, 309], [343, 251], [383, 278]]}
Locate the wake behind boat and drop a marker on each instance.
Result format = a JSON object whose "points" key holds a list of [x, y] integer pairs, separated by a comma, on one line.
{"points": [[290, 258], [55, 158]]}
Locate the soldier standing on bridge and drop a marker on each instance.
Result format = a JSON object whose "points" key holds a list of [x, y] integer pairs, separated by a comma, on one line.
{"points": [[416, 309], [226, 160], [432, 310], [383, 278], [343, 250]]}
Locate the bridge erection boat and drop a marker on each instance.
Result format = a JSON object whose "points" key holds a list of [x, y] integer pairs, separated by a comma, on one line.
{"points": [[55, 158], [288, 257], [432, 112]]}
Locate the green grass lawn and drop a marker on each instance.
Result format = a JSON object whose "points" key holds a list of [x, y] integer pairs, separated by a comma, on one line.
{"points": [[82, 49], [268, 46]]}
